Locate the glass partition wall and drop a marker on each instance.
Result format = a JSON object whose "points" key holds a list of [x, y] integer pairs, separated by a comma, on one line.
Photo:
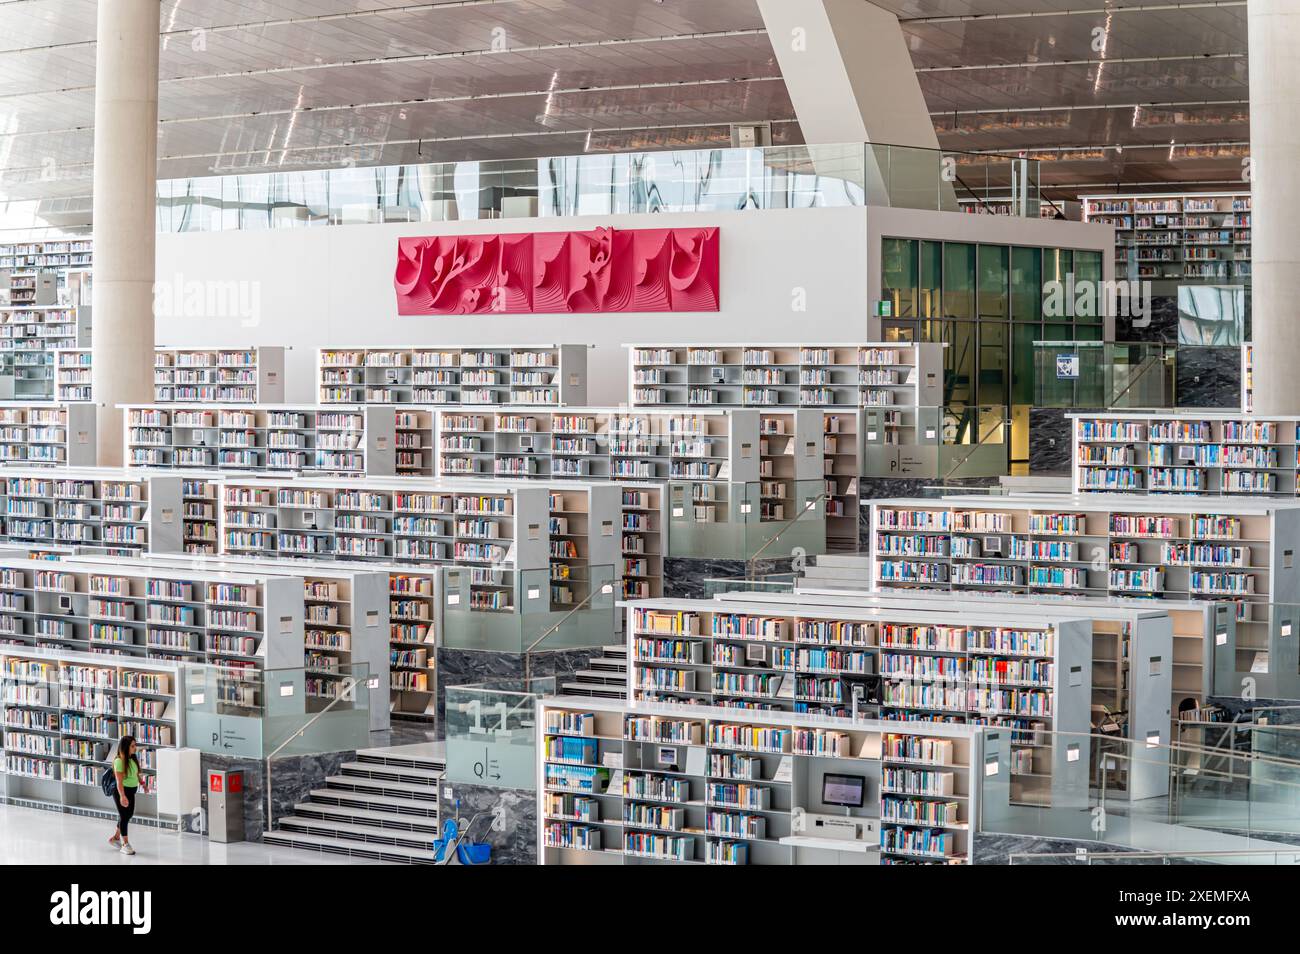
{"points": [[989, 304]]}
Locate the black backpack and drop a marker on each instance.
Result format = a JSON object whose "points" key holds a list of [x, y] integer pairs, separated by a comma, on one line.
{"points": [[108, 782]]}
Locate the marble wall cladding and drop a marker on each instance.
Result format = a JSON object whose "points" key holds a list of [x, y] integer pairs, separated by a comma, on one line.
{"points": [[997, 849], [1162, 325], [461, 667], [1208, 377], [686, 578], [292, 778], [508, 819], [1049, 440]]}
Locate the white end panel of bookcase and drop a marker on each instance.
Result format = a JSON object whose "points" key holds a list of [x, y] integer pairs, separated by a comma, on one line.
{"points": [[807, 443], [166, 510], [270, 374], [370, 645], [381, 440], [1151, 683], [742, 445], [573, 375], [82, 446], [604, 527], [282, 638], [1072, 717], [532, 522]]}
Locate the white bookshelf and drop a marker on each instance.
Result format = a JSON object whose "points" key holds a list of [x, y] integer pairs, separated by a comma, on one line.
{"points": [[844, 375], [348, 440], [1177, 236], [59, 435], [1149, 661], [533, 375], [92, 508], [45, 306], [645, 784], [72, 374], [1186, 452], [1017, 671], [1247, 378], [1235, 552], [63, 714], [249, 375]]}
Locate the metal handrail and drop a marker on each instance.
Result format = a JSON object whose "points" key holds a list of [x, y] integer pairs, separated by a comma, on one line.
{"points": [[1149, 363], [347, 685], [1004, 422], [550, 630], [808, 505]]}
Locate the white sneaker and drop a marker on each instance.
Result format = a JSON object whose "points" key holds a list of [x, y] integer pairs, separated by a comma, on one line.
{"points": [[127, 850]]}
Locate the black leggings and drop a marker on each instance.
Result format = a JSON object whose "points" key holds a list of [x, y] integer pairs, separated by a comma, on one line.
{"points": [[127, 811]]}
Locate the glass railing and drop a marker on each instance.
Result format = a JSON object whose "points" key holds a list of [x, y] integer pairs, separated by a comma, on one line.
{"points": [[768, 519], [563, 606], [1216, 793], [765, 583], [491, 732], [1261, 856], [1105, 375], [285, 712], [689, 180]]}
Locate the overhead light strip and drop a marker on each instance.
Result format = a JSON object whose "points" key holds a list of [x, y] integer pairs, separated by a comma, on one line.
{"points": [[1088, 11], [1041, 64]]}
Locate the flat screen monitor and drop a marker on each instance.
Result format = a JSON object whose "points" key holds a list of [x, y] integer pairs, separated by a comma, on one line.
{"points": [[846, 790]]}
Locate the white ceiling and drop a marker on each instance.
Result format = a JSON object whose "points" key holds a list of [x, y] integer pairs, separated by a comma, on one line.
{"points": [[294, 84]]}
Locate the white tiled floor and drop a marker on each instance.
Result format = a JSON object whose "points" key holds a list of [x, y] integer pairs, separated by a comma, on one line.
{"points": [[29, 836]]}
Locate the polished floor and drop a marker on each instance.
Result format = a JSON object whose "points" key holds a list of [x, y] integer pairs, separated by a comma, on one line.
{"points": [[29, 836]]}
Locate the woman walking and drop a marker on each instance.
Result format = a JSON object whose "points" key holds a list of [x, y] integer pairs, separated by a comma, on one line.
{"points": [[126, 769]]}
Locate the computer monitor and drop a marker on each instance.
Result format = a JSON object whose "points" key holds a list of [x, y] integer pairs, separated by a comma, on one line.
{"points": [[846, 790]]}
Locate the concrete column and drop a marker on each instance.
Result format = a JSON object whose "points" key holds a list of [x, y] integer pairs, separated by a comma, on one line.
{"points": [[1274, 38], [851, 80], [126, 166]]}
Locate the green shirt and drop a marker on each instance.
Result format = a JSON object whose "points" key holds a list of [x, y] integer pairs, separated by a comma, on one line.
{"points": [[131, 778]]}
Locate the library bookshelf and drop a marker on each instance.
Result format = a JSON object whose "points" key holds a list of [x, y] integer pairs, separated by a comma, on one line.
{"points": [[57, 434], [45, 306], [248, 375], [542, 375], [64, 713], [1247, 378], [844, 375], [1192, 236], [264, 437], [1228, 551], [1188, 452], [1148, 661], [95, 508], [623, 783], [913, 664], [72, 374], [345, 612]]}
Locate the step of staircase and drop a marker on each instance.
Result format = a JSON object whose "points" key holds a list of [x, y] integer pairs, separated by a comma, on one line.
{"points": [[371, 834], [363, 801], [381, 805], [606, 676], [370, 816], [594, 690], [350, 848]]}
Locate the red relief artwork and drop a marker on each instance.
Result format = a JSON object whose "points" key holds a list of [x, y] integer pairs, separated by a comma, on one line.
{"points": [[603, 270]]}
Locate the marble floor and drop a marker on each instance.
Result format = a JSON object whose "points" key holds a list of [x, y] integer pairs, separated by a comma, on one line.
{"points": [[29, 836]]}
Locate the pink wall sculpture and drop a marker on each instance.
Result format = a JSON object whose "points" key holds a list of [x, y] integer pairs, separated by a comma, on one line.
{"points": [[604, 270]]}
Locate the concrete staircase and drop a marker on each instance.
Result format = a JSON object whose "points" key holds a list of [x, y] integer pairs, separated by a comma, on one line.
{"points": [[604, 678], [383, 805], [837, 572]]}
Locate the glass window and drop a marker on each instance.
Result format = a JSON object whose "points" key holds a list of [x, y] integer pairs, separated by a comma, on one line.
{"points": [[993, 361], [898, 275], [959, 281], [959, 363], [1058, 333], [1026, 284], [1022, 362], [931, 269], [1087, 268], [992, 297]]}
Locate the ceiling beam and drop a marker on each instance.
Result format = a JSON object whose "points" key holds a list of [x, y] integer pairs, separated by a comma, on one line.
{"points": [[1105, 61], [1087, 11]]}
